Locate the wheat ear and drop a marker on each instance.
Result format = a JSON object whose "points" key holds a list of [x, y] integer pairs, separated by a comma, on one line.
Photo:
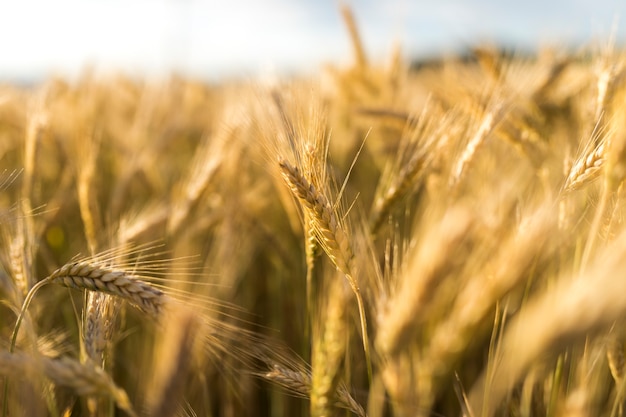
{"points": [[328, 351], [489, 120], [95, 277], [83, 379], [586, 169], [299, 383], [331, 237], [98, 324], [405, 180], [357, 45]]}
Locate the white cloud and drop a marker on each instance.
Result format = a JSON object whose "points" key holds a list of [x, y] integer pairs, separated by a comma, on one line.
{"points": [[211, 37]]}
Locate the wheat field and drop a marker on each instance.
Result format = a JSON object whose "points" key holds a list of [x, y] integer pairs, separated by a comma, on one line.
{"points": [[379, 240]]}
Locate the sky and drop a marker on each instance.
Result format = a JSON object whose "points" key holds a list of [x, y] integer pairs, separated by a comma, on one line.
{"points": [[213, 39]]}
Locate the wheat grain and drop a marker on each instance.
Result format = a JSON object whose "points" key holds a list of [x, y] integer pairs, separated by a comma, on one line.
{"points": [[405, 180]]}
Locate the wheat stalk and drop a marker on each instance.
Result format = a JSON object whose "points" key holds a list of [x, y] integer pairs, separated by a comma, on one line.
{"points": [[405, 180], [174, 359]]}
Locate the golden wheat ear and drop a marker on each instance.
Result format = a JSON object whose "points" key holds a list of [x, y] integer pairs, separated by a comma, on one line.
{"points": [[84, 379], [332, 238], [94, 276]]}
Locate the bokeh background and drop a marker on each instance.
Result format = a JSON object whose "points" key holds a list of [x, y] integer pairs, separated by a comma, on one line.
{"points": [[213, 39]]}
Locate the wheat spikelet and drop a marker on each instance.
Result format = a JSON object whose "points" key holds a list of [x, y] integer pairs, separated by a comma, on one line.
{"points": [[19, 271], [95, 277], [405, 180], [207, 161], [418, 142], [357, 45], [87, 200], [549, 84], [616, 148]]}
